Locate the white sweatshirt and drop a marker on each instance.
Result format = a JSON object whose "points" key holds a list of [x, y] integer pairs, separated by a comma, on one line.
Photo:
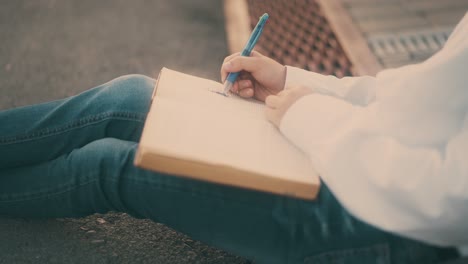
{"points": [[393, 148]]}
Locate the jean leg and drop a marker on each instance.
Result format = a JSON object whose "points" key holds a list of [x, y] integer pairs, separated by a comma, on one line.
{"points": [[100, 177], [264, 227], [37, 133]]}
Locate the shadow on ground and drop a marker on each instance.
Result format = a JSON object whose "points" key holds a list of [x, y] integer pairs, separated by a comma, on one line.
{"points": [[53, 49]]}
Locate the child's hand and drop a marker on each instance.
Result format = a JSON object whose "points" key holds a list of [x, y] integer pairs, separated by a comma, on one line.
{"points": [[260, 76], [278, 105]]}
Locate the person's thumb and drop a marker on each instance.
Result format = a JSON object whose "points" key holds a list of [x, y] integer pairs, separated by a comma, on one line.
{"points": [[241, 63]]}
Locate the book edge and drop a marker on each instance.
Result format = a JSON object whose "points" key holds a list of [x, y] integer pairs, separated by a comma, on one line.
{"points": [[226, 175]]}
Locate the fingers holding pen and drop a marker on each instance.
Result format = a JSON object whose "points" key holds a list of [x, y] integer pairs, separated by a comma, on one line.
{"points": [[239, 63], [228, 58], [246, 93], [254, 53], [243, 88], [244, 81]]}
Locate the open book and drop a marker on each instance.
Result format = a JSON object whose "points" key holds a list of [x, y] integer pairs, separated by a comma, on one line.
{"points": [[194, 132]]}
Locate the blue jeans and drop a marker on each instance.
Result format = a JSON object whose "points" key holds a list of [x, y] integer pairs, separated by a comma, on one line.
{"points": [[74, 157]]}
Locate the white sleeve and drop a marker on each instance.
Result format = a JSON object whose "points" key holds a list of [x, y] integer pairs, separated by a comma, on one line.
{"points": [[419, 192], [356, 90], [399, 161]]}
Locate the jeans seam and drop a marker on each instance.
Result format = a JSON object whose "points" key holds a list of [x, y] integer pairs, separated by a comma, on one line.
{"points": [[42, 195], [82, 122]]}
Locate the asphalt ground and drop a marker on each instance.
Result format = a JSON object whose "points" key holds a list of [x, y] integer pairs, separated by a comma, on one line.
{"points": [[51, 49]]}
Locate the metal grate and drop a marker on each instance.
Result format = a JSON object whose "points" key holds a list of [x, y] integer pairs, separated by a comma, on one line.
{"points": [[299, 35], [393, 50]]}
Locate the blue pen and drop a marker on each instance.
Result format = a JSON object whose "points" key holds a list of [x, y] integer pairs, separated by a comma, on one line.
{"points": [[232, 76]]}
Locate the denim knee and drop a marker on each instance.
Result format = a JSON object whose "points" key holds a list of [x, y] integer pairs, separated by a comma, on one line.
{"points": [[106, 160], [106, 155], [129, 93]]}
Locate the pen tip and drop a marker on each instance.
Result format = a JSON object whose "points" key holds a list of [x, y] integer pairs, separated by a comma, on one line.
{"points": [[227, 87]]}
